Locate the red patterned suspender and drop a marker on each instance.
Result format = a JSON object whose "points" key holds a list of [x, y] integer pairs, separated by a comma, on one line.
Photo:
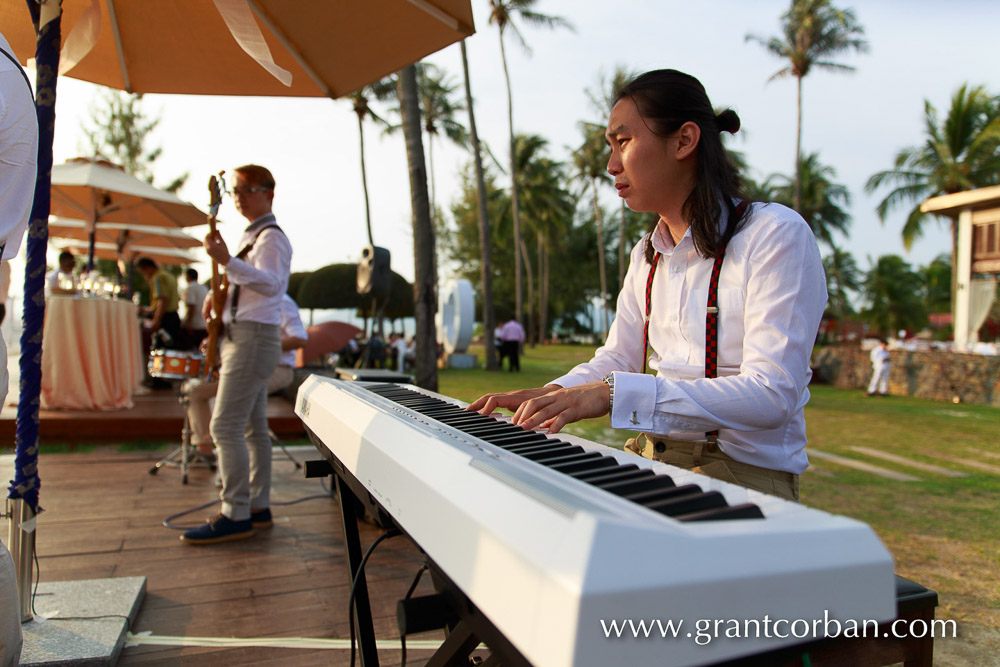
{"points": [[711, 315]]}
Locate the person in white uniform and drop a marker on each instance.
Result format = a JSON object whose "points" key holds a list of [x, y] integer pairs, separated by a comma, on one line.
{"points": [[725, 294], [880, 370]]}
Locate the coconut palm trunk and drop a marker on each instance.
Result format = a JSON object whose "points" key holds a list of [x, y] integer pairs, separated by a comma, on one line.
{"points": [[485, 248], [424, 298], [364, 180], [518, 306], [600, 255], [529, 312], [798, 146]]}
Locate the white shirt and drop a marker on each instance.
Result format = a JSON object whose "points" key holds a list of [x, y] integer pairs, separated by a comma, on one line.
{"points": [[18, 153], [879, 357], [772, 292], [53, 278], [194, 296], [512, 330], [262, 276], [291, 327]]}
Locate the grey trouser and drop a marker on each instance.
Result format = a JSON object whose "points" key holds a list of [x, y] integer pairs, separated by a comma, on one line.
{"points": [[708, 459], [250, 353], [10, 612], [199, 392]]}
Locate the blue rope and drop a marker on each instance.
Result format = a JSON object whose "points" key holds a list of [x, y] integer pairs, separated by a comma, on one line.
{"points": [[26, 482]]}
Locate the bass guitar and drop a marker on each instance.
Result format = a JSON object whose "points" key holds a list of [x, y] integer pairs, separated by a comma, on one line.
{"points": [[220, 285]]}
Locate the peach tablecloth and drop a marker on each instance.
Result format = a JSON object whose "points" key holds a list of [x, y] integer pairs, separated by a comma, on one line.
{"points": [[91, 353]]}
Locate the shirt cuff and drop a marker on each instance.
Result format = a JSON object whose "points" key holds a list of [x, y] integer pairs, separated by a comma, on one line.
{"points": [[635, 402], [567, 381]]}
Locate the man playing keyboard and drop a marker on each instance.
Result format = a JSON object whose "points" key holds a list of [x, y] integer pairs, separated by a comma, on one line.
{"points": [[724, 296]]}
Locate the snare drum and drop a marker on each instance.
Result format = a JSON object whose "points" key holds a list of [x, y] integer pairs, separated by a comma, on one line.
{"points": [[175, 365]]}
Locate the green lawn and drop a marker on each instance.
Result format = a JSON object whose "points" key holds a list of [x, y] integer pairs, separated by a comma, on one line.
{"points": [[943, 531]]}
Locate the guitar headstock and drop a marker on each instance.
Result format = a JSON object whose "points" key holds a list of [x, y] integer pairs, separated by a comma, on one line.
{"points": [[215, 187]]}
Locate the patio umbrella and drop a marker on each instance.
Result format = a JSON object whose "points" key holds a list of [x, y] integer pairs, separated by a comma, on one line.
{"points": [[100, 192], [306, 48], [129, 253], [121, 234]]}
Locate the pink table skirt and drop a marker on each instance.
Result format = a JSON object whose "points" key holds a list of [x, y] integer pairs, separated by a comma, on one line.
{"points": [[91, 354]]}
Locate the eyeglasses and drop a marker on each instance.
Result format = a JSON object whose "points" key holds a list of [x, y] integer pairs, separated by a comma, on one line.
{"points": [[241, 191]]}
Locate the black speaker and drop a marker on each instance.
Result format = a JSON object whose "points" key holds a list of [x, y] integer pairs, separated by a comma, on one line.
{"points": [[374, 275]]}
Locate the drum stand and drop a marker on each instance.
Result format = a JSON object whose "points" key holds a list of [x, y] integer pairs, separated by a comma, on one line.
{"points": [[187, 455]]}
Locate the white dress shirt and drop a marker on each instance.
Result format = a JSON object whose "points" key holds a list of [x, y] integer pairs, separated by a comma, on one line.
{"points": [[772, 293], [18, 153], [291, 327], [262, 277]]}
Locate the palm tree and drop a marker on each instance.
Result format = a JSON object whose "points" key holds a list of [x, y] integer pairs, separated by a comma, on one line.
{"points": [[602, 102], [424, 298], [590, 161], [842, 278], [485, 250], [821, 198], [548, 208], [381, 90], [892, 292], [502, 13], [958, 154], [812, 32]]}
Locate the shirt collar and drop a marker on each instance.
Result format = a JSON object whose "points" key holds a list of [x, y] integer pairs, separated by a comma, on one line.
{"points": [[259, 222]]}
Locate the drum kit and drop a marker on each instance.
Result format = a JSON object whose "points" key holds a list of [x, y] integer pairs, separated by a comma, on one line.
{"points": [[184, 367], [180, 366]]}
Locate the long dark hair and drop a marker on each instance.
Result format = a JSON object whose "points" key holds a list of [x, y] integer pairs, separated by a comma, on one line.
{"points": [[666, 99]]}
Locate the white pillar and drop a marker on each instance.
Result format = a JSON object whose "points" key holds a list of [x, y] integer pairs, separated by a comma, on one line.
{"points": [[963, 276]]}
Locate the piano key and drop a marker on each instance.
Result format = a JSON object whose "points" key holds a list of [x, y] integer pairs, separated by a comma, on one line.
{"points": [[648, 496], [524, 437], [618, 471], [580, 469], [627, 486], [556, 451], [569, 457], [744, 511], [638, 473], [688, 504]]}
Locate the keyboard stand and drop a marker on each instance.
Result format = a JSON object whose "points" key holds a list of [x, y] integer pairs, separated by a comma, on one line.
{"points": [[363, 627]]}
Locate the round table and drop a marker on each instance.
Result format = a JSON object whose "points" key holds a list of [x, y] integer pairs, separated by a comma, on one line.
{"points": [[91, 353]]}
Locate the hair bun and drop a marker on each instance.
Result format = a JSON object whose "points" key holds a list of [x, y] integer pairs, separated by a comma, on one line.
{"points": [[728, 121]]}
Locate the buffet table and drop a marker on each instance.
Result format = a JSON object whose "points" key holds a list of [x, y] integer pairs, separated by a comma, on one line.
{"points": [[91, 353]]}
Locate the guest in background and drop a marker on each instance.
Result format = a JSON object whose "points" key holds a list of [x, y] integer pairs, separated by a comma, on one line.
{"points": [[193, 327], [163, 301], [512, 337], [62, 274], [880, 370]]}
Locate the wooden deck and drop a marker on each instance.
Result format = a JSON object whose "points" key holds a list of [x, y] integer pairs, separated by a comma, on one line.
{"points": [[102, 518], [157, 415]]}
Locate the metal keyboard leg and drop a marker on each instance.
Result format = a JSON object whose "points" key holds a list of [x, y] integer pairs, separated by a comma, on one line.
{"points": [[455, 650], [362, 606]]}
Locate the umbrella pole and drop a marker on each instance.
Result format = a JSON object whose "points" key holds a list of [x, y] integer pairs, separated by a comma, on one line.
{"points": [[90, 255], [21, 540], [23, 490]]}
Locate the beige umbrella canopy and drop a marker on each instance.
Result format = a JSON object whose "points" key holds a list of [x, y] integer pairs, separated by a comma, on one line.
{"points": [[302, 48], [121, 235], [129, 253]]}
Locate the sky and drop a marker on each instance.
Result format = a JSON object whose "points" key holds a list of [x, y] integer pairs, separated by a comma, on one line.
{"points": [[919, 49]]}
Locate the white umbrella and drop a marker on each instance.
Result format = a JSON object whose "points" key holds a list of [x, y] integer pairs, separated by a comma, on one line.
{"points": [[122, 234]]}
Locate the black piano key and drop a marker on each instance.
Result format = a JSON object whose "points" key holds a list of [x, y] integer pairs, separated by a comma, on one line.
{"points": [[496, 427], [641, 473], [617, 471], [689, 504], [556, 451], [569, 457], [629, 486], [446, 409], [648, 496], [744, 511], [538, 446], [522, 438], [466, 420], [580, 469]]}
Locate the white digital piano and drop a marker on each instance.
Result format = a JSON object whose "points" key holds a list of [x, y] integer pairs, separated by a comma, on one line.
{"points": [[549, 540]]}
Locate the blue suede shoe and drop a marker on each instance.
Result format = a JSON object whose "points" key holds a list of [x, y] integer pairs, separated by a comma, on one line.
{"points": [[219, 528], [261, 518]]}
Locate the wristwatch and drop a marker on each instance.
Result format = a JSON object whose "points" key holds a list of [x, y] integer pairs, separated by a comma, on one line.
{"points": [[609, 380]]}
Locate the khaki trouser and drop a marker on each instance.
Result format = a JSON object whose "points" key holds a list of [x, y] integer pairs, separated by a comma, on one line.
{"points": [[706, 458]]}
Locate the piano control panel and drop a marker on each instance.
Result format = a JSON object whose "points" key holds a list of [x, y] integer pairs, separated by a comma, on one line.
{"points": [[554, 537]]}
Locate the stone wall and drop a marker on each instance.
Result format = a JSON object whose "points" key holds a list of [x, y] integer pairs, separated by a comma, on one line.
{"points": [[938, 375]]}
